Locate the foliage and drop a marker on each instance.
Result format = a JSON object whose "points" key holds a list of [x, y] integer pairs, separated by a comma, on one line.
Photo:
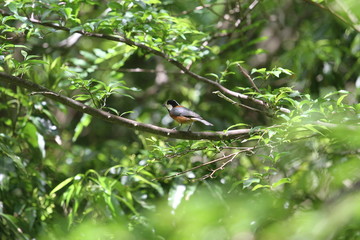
{"points": [[68, 175]]}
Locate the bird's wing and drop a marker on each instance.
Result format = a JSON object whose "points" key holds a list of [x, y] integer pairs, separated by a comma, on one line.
{"points": [[182, 111]]}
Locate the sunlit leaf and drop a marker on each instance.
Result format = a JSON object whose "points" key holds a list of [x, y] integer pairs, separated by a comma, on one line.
{"points": [[248, 182], [83, 123], [61, 185], [281, 182]]}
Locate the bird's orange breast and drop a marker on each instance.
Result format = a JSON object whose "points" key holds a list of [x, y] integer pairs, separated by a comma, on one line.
{"points": [[182, 119]]}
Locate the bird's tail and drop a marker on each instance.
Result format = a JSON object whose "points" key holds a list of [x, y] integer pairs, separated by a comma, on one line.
{"points": [[204, 122]]}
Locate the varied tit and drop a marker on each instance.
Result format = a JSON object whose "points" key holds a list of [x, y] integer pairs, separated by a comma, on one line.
{"points": [[184, 115]]}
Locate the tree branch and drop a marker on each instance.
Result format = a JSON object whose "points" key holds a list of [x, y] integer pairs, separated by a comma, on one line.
{"points": [[37, 89], [211, 174], [199, 166], [246, 74], [164, 56], [235, 103]]}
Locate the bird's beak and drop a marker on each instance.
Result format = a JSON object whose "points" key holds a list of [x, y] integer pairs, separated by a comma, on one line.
{"points": [[166, 106]]}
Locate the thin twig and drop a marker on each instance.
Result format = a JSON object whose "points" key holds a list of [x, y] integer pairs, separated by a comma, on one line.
{"points": [[248, 10], [222, 166], [231, 156], [247, 76], [236, 103], [185, 152], [143, 70], [211, 174], [199, 166]]}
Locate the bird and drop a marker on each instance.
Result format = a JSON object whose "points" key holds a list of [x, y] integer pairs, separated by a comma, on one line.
{"points": [[184, 115]]}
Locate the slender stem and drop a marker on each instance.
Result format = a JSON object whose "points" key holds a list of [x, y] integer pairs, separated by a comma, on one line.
{"points": [[247, 76], [234, 102], [199, 166]]}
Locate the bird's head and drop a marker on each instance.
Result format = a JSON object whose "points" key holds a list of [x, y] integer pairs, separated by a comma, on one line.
{"points": [[170, 104]]}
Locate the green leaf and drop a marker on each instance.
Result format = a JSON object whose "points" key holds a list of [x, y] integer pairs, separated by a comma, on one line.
{"points": [[35, 61], [213, 75], [84, 122], [258, 186], [115, 5], [341, 98], [82, 97], [234, 63], [312, 128], [235, 126], [11, 220], [61, 185], [335, 92], [152, 1], [124, 113], [281, 182], [112, 110], [276, 73], [30, 133], [9, 152], [24, 53], [260, 70], [76, 29], [286, 71], [99, 53], [13, 6], [155, 186], [67, 12], [248, 182]]}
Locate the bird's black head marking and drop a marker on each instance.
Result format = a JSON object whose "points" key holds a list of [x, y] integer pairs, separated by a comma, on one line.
{"points": [[173, 103]]}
